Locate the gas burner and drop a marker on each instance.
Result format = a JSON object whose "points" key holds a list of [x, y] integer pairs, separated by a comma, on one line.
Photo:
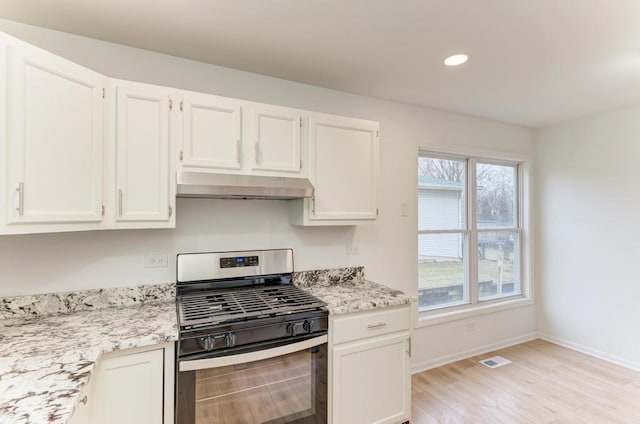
{"points": [[206, 308]]}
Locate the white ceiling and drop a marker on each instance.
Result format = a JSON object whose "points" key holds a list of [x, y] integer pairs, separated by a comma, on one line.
{"points": [[534, 62]]}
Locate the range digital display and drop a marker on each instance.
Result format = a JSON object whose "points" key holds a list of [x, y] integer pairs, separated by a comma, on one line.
{"points": [[239, 261]]}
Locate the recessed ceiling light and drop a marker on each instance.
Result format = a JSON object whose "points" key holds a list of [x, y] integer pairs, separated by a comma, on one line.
{"points": [[456, 59]]}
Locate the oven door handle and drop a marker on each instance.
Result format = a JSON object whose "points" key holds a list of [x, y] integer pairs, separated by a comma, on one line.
{"points": [[223, 361]]}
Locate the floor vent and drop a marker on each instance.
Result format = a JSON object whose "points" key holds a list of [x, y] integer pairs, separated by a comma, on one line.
{"points": [[495, 362]]}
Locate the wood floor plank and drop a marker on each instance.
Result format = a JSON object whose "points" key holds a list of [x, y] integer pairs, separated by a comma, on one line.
{"points": [[544, 384]]}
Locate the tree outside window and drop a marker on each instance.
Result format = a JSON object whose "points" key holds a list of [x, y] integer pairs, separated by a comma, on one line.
{"points": [[468, 231]]}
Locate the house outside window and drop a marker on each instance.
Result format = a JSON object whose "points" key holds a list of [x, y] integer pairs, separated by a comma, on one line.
{"points": [[469, 232]]}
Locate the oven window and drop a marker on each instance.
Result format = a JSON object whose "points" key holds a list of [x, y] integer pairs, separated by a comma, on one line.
{"points": [[276, 390]]}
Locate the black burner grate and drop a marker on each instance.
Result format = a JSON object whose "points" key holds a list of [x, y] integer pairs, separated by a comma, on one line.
{"points": [[216, 307]]}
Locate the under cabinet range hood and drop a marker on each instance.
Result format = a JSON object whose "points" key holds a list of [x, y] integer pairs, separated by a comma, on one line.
{"points": [[226, 186]]}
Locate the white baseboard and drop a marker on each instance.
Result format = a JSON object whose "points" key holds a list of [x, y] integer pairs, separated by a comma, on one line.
{"points": [[635, 366], [444, 360], [458, 356]]}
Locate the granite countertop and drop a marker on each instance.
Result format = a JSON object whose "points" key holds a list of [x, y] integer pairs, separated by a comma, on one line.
{"points": [[45, 361], [345, 290], [354, 296], [50, 343]]}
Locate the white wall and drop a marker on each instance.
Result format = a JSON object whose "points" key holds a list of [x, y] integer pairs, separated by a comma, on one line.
{"points": [[588, 198], [388, 248]]}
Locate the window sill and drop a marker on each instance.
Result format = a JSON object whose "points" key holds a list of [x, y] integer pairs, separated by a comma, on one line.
{"points": [[426, 319]]}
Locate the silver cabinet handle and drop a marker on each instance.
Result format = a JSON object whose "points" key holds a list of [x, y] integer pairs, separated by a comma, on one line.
{"points": [[20, 191], [238, 150], [119, 202], [84, 400], [258, 158], [377, 325]]}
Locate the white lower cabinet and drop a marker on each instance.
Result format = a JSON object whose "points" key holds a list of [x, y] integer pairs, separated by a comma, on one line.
{"points": [[82, 414], [370, 367], [133, 386]]}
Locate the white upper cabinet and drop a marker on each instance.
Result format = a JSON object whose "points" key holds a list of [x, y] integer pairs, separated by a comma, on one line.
{"points": [[144, 189], [80, 157], [211, 133], [276, 139], [230, 136], [5, 205], [343, 168], [54, 139]]}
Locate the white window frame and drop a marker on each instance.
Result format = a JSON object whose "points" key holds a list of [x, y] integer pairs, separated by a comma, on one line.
{"points": [[473, 306]]}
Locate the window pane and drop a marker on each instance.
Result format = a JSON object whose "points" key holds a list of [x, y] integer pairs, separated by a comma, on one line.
{"points": [[442, 264], [440, 194], [496, 196], [498, 264]]}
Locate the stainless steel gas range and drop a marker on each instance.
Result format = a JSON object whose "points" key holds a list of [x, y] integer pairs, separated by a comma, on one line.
{"points": [[252, 346]]}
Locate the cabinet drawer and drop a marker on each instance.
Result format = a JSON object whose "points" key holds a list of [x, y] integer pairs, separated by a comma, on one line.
{"points": [[370, 324]]}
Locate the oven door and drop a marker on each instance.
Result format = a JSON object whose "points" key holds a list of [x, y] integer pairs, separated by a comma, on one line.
{"points": [[282, 384]]}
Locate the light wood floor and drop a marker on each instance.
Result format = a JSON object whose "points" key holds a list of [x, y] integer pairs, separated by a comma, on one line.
{"points": [[545, 383]]}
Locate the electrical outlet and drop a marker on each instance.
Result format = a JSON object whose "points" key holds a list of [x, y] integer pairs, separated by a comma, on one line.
{"points": [[155, 261], [353, 249]]}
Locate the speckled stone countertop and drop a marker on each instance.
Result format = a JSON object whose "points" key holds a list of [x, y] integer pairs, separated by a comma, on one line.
{"points": [[346, 290], [50, 343], [46, 360]]}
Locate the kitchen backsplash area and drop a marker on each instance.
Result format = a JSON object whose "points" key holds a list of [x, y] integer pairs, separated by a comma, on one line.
{"points": [[36, 306], [328, 277]]}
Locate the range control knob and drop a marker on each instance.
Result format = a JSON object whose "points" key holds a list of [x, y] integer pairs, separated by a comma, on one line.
{"points": [[230, 339], [291, 329], [307, 326], [208, 342]]}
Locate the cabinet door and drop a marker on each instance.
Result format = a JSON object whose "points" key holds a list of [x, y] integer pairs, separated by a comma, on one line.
{"points": [[142, 154], [211, 131], [276, 137], [5, 188], [343, 168], [55, 139], [129, 389], [82, 413], [372, 381]]}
